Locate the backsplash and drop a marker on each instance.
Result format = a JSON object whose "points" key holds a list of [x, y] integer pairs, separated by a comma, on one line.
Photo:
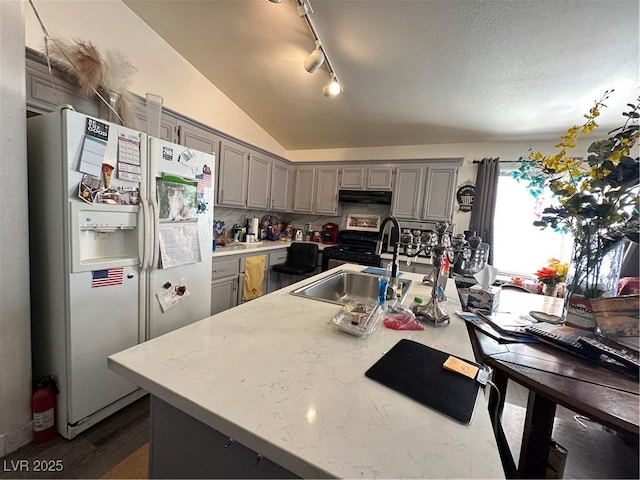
{"points": [[231, 216]]}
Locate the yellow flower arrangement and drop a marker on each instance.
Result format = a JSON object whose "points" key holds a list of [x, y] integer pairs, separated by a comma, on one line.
{"points": [[597, 198]]}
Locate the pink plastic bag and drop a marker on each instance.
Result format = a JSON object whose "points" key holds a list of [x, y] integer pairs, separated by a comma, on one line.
{"points": [[401, 318]]}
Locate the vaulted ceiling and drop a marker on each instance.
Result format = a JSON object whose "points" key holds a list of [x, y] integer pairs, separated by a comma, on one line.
{"points": [[413, 71]]}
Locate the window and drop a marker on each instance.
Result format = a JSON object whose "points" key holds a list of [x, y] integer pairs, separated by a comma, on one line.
{"points": [[520, 248]]}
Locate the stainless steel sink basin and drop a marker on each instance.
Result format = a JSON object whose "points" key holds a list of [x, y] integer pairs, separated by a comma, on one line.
{"points": [[344, 286]]}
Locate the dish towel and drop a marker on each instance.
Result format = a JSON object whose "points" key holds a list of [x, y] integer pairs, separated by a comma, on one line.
{"points": [[253, 277]]}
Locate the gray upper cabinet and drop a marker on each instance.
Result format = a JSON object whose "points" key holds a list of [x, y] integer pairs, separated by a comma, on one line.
{"points": [[259, 186], [280, 186], [379, 178], [426, 192], [45, 93], [198, 138], [168, 122], [233, 171], [406, 195], [366, 178], [439, 193], [326, 188], [303, 189], [352, 178]]}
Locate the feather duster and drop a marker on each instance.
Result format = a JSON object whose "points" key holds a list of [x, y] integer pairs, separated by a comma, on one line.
{"points": [[80, 59], [117, 72]]}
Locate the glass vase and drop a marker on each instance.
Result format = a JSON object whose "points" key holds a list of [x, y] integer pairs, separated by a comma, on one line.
{"points": [[594, 272], [550, 290], [109, 109]]}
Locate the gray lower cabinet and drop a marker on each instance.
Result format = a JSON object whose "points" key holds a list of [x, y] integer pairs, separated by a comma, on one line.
{"points": [[224, 283], [277, 280], [183, 447]]}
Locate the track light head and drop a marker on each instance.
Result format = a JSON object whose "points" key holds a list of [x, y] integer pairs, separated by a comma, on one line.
{"points": [[332, 87], [314, 60]]}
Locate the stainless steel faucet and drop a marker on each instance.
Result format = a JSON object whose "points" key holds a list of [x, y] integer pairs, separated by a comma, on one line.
{"points": [[395, 240]]}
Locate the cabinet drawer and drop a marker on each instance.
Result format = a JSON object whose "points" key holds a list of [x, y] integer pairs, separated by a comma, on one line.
{"points": [[277, 258], [225, 268]]}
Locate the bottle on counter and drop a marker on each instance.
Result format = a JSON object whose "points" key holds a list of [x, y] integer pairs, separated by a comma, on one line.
{"points": [[417, 303], [383, 285]]}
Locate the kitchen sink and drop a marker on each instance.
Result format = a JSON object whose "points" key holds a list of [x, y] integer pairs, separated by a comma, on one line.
{"points": [[345, 286]]}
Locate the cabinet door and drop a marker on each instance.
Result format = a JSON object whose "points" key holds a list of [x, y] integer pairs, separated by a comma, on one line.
{"points": [[232, 177], [379, 178], [277, 280], [224, 294], [326, 191], [198, 138], [259, 185], [45, 93], [406, 194], [439, 193], [352, 178], [303, 189], [168, 122], [280, 177]]}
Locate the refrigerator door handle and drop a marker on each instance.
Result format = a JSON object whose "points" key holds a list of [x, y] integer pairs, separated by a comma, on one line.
{"points": [[145, 239], [156, 233]]}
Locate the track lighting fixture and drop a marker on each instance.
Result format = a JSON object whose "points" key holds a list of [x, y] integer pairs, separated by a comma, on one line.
{"points": [[319, 55], [332, 87], [314, 60]]}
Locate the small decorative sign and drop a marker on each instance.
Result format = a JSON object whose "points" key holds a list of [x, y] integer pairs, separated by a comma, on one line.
{"points": [[465, 195], [97, 129]]}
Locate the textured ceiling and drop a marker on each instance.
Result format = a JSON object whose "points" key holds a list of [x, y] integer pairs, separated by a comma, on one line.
{"points": [[413, 71]]}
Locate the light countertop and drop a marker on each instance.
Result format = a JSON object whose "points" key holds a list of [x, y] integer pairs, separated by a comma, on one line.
{"points": [[262, 246], [274, 375]]}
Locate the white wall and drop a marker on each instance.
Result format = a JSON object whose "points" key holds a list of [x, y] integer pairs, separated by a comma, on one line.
{"points": [[15, 340], [110, 24]]}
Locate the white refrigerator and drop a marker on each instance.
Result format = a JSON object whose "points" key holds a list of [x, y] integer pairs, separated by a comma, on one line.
{"points": [[120, 250]]}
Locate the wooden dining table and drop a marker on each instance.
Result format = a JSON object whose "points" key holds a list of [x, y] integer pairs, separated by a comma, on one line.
{"points": [[553, 377]]}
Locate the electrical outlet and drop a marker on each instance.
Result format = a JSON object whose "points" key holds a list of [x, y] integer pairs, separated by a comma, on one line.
{"points": [[17, 438]]}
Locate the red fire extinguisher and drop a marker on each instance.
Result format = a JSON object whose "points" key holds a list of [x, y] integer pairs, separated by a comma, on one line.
{"points": [[43, 404]]}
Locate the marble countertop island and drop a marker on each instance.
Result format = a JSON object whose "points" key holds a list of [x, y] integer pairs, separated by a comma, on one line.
{"points": [[276, 376]]}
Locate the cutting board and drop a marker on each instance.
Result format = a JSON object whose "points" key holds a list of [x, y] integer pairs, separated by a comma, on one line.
{"points": [[416, 370]]}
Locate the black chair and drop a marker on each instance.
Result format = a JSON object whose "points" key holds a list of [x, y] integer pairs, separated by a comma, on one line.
{"points": [[301, 259]]}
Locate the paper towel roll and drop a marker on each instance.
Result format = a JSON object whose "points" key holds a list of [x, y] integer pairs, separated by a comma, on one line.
{"points": [[253, 226]]}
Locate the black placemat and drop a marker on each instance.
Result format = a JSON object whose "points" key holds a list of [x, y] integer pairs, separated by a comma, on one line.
{"points": [[416, 370]]}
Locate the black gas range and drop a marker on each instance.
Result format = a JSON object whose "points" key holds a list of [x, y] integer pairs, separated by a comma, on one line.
{"points": [[353, 246]]}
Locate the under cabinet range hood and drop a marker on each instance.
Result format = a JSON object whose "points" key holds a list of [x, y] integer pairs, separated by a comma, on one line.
{"points": [[365, 196]]}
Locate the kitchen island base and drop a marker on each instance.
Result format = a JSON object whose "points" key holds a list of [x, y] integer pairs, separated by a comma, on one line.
{"points": [[184, 447]]}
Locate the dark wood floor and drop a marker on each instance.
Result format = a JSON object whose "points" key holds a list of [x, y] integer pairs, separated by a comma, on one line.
{"points": [[91, 454]]}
